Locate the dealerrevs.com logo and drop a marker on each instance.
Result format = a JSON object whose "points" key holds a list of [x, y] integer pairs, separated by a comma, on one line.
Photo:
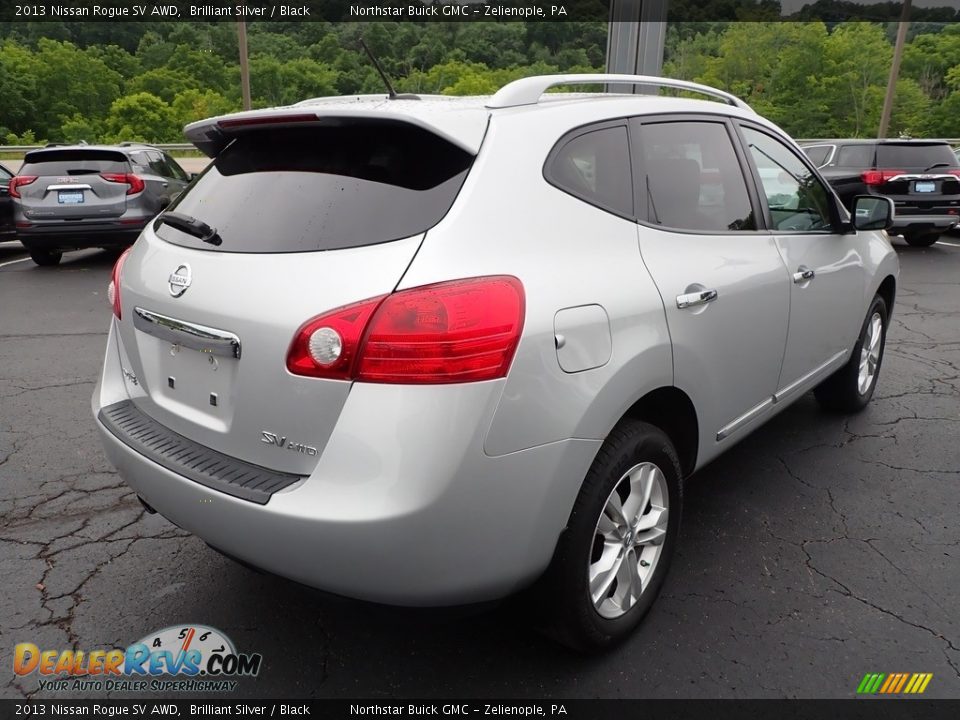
{"points": [[184, 658]]}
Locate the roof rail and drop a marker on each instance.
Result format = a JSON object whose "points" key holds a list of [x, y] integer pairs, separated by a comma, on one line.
{"points": [[527, 91]]}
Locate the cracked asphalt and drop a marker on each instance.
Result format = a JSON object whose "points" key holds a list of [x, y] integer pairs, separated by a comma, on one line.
{"points": [[819, 549]]}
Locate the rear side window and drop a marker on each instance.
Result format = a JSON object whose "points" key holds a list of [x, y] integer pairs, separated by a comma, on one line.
{"points": [[856, 156], [323, 188], [693, 179], [74, 162], [818, 154], [595, 166], [915, 156]]}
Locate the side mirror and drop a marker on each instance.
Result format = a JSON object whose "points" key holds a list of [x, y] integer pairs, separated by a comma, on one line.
{"points": [[872, 212]]}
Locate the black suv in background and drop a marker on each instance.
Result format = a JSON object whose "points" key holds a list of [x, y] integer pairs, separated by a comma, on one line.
{"points": [[81, 196], [922, 177]]}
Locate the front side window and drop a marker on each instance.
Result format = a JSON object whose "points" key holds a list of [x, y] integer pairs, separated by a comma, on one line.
{"points": [[595, 167], [796, 197], [693, 179]]}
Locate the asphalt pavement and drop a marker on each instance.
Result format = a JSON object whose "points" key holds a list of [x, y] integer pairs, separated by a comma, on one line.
{"points": [[819, 549]]}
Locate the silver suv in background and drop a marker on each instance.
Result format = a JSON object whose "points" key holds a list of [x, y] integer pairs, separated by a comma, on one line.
{"points": [[440, 350], [79, 196]]}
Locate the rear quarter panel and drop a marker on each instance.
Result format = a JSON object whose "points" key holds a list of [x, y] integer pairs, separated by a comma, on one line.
{"points": [[509, 220]]}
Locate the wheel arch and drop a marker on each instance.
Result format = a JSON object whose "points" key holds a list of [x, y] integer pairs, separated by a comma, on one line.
{"points": [[671, 409], [888, 291]]}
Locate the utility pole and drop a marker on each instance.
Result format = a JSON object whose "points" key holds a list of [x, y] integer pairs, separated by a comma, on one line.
{"points": [[894, 70], [244, 64]]}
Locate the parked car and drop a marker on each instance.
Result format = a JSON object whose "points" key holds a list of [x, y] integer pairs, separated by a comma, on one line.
{"points": [[7, 231], [81, 196], [441, 350], [922, 177]]}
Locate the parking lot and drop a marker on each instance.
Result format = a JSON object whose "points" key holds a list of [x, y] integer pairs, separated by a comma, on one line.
{"points": [[819, 549]]}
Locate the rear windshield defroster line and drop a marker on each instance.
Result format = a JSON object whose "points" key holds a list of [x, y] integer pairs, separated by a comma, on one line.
{"points": [[323, 187]]}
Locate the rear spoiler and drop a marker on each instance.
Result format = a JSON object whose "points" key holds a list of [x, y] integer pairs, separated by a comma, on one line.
{"points": [[464, 128]]}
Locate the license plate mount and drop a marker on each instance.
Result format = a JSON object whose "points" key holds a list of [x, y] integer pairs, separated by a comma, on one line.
{"points": [[924, 186]]}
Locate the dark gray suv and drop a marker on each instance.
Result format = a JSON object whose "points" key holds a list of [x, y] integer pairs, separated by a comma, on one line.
{"points": [[71, 197]]}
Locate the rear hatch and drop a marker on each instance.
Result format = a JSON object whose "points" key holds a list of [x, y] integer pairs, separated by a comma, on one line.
{"points": [[921, 175], [74, 184], [311, 217]]}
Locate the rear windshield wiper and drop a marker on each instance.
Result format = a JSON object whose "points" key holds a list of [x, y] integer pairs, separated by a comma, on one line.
{"points": [[191, 226], [936, 165]]}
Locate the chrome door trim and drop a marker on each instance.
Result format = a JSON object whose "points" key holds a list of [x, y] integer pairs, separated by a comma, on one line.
{"points": [[730, 428], [198, 337], [784, 392]]}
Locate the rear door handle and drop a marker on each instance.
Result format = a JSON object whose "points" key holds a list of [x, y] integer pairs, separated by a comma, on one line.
{"points": [[696, 298], [803, 274]]}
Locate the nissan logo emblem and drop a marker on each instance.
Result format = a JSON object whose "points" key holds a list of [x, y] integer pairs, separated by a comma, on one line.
{"points": [[180, 280]]}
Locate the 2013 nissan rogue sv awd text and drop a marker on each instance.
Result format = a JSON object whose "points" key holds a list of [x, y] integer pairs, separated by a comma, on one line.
{"points": [[435, 351]]}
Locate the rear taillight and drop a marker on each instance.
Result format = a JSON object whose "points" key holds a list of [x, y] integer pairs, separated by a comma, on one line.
{"points": [[17, 181], [878, 177], [113, 289], [327, 345], [134, 182], [954, 172], [451, 332]]}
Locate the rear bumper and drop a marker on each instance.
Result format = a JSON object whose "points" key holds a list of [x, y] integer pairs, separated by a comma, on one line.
{"points": [[403, 507], [904, 223], [76, 236]]}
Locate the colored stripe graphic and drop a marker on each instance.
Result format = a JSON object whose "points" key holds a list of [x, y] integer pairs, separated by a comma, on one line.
{"points": [[894, 683]]}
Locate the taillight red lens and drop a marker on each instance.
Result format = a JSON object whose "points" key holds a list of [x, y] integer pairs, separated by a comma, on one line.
{"points": [[451, 332], [113, 289], [878, 177], [17, 181], [134, 182], [348, 323]]}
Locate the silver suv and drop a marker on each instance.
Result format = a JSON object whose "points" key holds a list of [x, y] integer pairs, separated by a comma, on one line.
{"points": [[69, 197], [435, 351]]}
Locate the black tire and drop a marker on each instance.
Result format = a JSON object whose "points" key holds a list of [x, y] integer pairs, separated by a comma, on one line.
{"points": [[925, 240], [563, 593], [841, 392], [46, 258]]}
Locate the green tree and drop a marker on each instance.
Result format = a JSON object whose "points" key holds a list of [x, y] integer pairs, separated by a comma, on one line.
{"points": [[142, 117], [192, 105]]}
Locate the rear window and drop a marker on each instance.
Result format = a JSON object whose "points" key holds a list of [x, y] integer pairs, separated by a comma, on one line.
{"points": [[74, 162], [323, 188], [915, 155]]}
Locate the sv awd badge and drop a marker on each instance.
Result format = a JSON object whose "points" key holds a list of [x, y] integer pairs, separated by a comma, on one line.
{"points": [[281, 442]]}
